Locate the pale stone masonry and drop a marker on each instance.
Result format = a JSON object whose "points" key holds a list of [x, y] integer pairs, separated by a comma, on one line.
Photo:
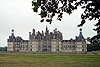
{"points": [[46, 42]]}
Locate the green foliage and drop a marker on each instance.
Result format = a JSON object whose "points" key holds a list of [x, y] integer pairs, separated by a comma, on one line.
{"points": [[93, 47], [94, 44], [91, 8], [26, 60], [3, 48], [35, 9], [50, 8], [98, 51]]}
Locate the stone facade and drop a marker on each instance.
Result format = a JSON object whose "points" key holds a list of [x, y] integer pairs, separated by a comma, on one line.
{"points": [[46, 42]]}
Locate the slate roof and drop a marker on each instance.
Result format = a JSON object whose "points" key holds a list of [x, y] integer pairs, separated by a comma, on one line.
{"points": [[68, 41], [46, 36], [77, 39], [12, 38]]}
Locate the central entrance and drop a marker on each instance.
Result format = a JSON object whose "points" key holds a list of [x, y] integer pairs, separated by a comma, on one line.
{"points": [[44, 50]]}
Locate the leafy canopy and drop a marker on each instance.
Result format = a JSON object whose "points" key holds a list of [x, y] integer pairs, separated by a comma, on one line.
{"points": [[50, 8]]}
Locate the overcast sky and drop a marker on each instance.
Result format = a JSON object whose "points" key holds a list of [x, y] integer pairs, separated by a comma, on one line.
{"points": [[18, 15]]}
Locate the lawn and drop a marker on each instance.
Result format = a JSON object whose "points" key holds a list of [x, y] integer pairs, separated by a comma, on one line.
{"points": [[37, 60], [98, 51]]}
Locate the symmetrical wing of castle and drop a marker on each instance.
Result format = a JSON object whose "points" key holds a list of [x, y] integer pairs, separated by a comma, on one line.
{"points": [[46, 42]]}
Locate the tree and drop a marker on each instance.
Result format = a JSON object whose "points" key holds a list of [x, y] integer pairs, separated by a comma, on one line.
{"points": [[92, 46], [3, 48], [50, 8]]}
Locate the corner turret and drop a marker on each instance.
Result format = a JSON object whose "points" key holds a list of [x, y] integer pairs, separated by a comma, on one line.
{"points": [[80, 37], [12, 32], [12, 37]]}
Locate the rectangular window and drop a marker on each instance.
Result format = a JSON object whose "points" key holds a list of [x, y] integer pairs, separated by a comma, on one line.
{"points": [[58, 45], [44, 45], [57, 49], [82, 49], [39, 45], [73, 45], [49, 46], [70, 46]]}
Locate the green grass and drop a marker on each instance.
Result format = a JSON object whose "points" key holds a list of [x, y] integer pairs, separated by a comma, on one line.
{"points": [[36, 60], [98, 51]]}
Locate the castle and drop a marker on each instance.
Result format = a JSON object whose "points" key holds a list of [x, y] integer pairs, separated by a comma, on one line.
{"points": [[46, 42]]}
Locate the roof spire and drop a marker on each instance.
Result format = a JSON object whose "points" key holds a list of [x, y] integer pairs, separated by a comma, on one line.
{"points": [[12, 32], [80, 35], [81, 31], [46, 28]]}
